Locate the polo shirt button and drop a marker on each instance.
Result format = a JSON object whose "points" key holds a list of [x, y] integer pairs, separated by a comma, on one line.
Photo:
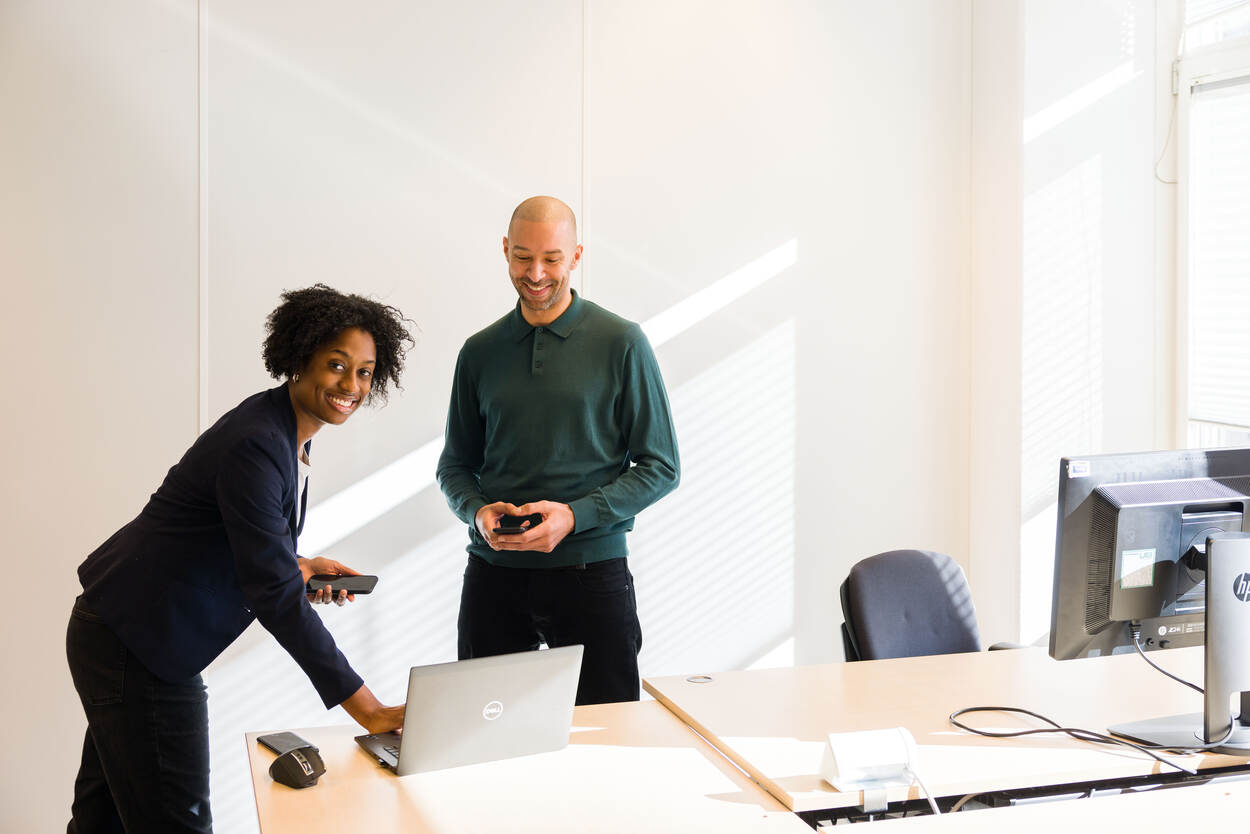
{"points": [[540, 330], [538, 364]]}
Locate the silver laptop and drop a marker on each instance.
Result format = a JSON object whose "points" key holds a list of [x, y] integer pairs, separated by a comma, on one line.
{"points": [[481, 710]]}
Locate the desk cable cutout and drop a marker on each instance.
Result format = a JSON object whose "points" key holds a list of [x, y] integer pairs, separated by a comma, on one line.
{"points": [[874, 762]]}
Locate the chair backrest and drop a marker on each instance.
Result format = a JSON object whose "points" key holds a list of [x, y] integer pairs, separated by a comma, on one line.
{"points": [[906, 603]]}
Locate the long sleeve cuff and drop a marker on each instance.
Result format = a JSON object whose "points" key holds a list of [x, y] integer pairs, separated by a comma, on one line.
{"points": [[471, 509], [585, 513]]}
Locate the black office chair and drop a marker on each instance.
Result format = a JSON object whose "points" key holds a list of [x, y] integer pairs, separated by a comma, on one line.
{"points": [[906, 603]]}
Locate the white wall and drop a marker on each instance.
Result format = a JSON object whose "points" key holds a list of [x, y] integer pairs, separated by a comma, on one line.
{"points": [[98, 262], [1072, 335], [994, 393], [832, 399]]}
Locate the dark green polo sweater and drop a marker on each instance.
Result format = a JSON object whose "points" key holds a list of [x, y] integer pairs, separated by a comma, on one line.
{"points": [[575, 412]]}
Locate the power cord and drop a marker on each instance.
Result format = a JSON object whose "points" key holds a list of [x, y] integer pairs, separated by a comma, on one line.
{"points": [[927, 793], [1134, 630], [1135, 633], [1091, 736], [1075, 732]]}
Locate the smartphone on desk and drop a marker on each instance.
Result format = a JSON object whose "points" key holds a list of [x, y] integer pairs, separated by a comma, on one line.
{"points": [[511, 524], [362, 584], [283, 742]]}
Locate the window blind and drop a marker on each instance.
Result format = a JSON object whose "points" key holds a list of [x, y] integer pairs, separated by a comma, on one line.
{"points": [[1219, 253]]}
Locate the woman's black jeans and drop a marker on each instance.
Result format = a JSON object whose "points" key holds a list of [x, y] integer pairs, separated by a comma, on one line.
{"points": [[145, 756]]}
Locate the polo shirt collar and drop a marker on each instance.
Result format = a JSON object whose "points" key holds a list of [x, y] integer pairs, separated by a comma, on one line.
{"points": [[562, 326]]}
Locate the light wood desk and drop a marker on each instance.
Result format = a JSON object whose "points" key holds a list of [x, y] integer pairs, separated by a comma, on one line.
{"points": [[1220, 807], [773, 722], [629, 768]]}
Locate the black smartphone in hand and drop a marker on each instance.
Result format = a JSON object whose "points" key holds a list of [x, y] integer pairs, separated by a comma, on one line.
{"points": [[511, 524], [341, 582]]}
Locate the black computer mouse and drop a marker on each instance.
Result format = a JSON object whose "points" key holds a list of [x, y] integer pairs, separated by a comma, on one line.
{"points": [[298, 768]]}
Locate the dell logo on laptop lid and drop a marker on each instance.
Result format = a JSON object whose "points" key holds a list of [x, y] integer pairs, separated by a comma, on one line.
{"points": [[492, 710]]}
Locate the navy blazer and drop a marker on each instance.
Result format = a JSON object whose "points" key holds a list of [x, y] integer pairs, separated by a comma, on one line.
{"points": [[213, 550]]}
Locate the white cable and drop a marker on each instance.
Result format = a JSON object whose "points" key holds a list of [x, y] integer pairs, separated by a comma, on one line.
{"points": [[932, 804]]}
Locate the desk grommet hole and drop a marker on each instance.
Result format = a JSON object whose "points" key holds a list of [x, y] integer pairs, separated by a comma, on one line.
{"points": [[699, 679]]}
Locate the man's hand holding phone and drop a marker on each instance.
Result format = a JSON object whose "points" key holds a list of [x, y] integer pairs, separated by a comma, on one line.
{"points": [[514, 524], [489, 519], [539, 525]]}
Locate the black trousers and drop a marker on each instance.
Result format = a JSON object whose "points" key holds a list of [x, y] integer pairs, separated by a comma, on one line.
{"points": [[505, 610], [145, 756]]}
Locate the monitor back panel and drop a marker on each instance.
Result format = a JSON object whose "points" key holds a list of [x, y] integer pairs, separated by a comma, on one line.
{"points": [[1078, 627]]}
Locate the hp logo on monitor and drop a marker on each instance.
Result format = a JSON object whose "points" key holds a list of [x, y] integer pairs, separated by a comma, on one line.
{"points": [[495, 709], [1241, 587]]}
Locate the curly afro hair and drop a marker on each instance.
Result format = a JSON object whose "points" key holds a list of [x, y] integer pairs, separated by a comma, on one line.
{"points": [[308, 318]]}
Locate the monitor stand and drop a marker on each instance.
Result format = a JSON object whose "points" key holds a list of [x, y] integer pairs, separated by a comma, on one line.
{"points": [[1226, 660]]}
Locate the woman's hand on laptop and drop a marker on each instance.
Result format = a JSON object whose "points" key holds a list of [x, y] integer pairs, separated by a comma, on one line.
{"points": [[370, 713], [391, 719]]}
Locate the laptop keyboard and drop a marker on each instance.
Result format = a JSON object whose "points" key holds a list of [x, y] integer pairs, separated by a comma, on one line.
{"points": [[394, 751]]}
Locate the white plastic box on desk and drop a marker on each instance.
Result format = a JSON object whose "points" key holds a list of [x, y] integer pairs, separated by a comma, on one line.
{"points": [[869, 759]]}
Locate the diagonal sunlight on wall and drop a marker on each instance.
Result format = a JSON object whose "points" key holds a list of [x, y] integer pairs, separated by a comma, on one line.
{"points": [[685, 314], [410, 620], [1062, 362], [216, 28], [1080, 99], [714, 561], [350, 509], [337, 517]]}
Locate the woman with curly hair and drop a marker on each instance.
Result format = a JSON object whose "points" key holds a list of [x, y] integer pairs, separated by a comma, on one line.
{"points": [[214, 549]]}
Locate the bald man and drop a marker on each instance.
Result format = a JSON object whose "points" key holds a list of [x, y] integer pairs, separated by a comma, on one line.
{"points": [[559, 428]]}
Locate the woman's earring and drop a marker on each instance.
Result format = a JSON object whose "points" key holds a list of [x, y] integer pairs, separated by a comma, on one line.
{"points": [[295, 378]]}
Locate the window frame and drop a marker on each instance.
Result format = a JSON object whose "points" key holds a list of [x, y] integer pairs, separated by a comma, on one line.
{"points": [[1216, 63]]}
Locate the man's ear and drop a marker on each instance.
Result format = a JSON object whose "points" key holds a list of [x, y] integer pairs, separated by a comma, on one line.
{"points": [[505, 247], [577, 256]]}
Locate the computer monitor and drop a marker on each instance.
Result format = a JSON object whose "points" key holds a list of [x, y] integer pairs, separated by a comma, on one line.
{"points": [[1131, 559]]}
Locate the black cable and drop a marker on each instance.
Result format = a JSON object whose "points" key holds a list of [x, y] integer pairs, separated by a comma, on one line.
{"points": [[1197, 748], [1076, 733], [1091, 736], [1135, 634]]}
